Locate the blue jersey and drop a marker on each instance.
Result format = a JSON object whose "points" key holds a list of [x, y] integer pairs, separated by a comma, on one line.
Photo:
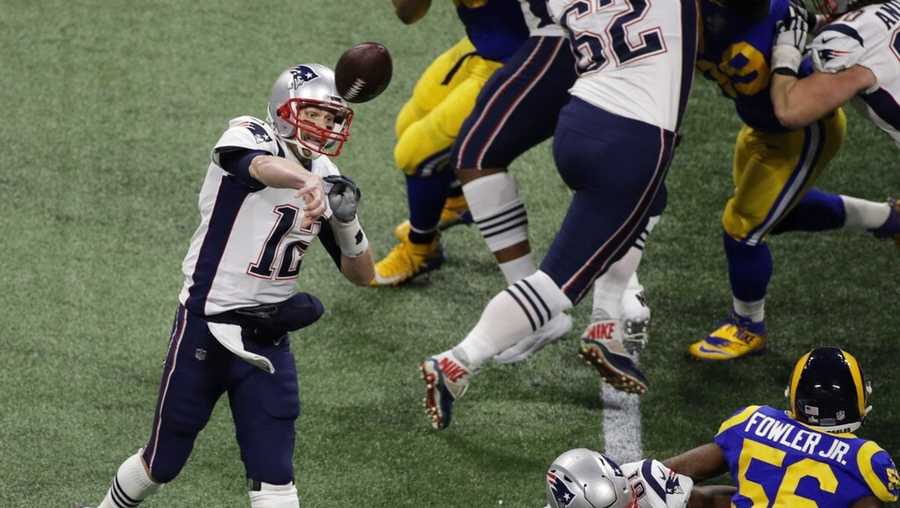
{"points": [[736, 54], [495, 27], [777, 461]]}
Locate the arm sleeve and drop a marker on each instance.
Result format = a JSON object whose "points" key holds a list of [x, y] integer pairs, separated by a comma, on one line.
{"points": [[236, 161], [326, 236]]}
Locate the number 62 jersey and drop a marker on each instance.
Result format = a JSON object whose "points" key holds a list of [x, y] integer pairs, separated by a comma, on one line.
{"points": [[634, 58], [869, 37]]}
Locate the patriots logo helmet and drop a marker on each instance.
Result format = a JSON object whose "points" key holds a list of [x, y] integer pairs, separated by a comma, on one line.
{"points": [[829, 391], [307, 112], [583, 478]]}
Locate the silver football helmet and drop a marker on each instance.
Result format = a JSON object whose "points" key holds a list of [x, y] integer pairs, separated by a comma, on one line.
{"points": [[583, 478], [306, 110]]}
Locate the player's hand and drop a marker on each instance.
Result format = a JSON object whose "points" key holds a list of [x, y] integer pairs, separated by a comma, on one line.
{"points": [[312, 191], [343, 197], [791, 34]]}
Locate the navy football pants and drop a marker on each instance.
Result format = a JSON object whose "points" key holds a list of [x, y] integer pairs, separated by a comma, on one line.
{"points": [[197, 371], [617, 167]]}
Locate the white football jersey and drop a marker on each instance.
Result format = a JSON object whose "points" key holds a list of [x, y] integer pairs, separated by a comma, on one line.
{"points": [[656, 486], [870, 37], [538, 19], [633, 58], [248, 247]]}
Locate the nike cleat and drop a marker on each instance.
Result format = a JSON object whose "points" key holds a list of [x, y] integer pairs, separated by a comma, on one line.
{"points": [[610, 358], [635, 320], [407, 261], [551, 332], [736, 337], [891, 227], [446, 380], [455, 212]]}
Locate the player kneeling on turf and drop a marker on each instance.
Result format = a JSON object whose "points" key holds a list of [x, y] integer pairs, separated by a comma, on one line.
{"points": [[269, 192]]}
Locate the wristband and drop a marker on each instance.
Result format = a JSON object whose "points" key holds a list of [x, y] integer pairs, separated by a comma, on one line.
{"points": [[350, 237]]}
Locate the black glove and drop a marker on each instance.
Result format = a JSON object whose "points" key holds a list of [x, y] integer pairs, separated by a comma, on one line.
{"points": [[343, 197]]}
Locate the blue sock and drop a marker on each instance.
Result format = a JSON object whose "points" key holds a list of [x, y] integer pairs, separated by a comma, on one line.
{"points": [[816, 211], [426, 196], [749, 268]]}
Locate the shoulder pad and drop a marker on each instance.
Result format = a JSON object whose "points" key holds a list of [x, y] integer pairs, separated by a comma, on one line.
{"points": [[250, 133]]}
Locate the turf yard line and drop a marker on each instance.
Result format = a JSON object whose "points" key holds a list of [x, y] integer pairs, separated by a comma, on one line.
{"points": [[621, 424]]}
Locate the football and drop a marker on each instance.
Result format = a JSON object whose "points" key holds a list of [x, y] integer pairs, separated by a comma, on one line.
{"points": [[363, 72]]}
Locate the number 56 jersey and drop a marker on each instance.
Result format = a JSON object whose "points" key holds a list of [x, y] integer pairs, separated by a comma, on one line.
{"points": [[777, 461], [634, 58]]}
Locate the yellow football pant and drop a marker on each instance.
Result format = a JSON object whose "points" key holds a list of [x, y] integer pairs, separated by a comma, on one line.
{"points": [[442, 99], [773, 170]]}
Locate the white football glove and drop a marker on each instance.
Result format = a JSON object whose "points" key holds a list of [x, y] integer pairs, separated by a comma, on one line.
{"points": [[343, 197], [791, 34]]}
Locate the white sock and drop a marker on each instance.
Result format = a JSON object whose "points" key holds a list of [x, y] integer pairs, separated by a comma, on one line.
{"points": [[634, 284], [511, 315], [498, 212], [863, 214], [131, 484], [518, 268], [610, 287], [275, 496], [755, 311]]}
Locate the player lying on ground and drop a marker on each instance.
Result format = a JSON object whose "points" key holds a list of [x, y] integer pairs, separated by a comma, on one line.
{"points": [[807, 455], [262, 205]]}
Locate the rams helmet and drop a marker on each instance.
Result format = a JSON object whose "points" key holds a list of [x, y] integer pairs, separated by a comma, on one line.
{"points": [[583, 478], [828, 391], [309, 86]]}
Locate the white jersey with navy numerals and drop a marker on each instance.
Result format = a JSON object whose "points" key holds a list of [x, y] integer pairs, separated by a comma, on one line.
{"points": [[248, 247], [869, 37], [538, 19], [656, 486], [632, 56]]}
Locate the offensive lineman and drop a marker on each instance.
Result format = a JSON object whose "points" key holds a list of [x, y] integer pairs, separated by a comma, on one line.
{"points": [[856, 57], [625, 112], [262, 205], [517, 109]]}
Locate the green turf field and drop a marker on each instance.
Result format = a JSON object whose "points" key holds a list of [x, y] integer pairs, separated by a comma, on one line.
{"points": [[111, 108]]}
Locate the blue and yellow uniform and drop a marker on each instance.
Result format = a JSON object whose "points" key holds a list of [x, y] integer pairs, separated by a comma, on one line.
{"points": [[777, 461], [445, 93], [772, 168], [772, 165], [430, 121]]}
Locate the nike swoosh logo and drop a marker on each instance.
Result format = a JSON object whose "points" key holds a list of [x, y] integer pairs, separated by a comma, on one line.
{"points": [[703, 349]]}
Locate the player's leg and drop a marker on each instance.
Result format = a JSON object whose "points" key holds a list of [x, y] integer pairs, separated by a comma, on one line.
{"points": [[188, 391], [422, 153], [772, 171], [265, 408], [599, 227], [618, 314], [821, 211], [516, 110]]}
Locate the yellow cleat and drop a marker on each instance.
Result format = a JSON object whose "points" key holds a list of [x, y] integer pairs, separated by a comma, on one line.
{"points": [[407, 261], [737, 337], [455, 212]]}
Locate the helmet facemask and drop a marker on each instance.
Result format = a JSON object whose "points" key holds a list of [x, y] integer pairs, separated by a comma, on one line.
{"points": [[319, 126]]}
